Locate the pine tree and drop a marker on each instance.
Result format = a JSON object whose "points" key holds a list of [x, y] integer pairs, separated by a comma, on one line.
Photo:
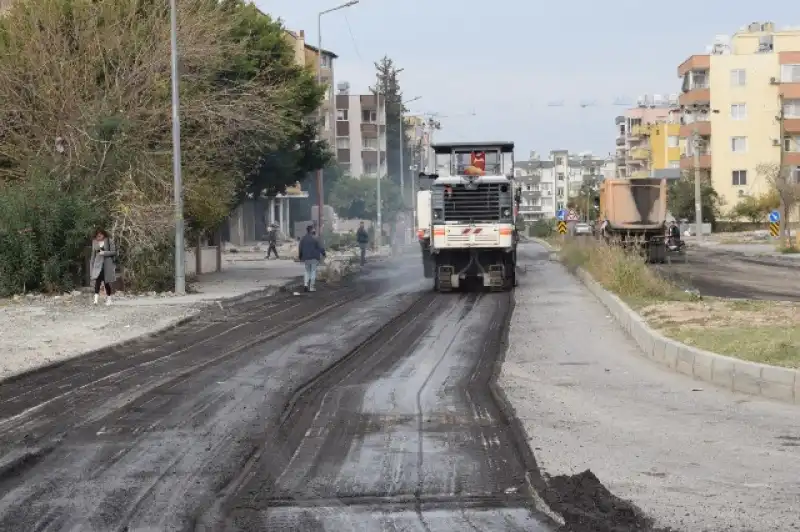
{"points": [[388, 86]]}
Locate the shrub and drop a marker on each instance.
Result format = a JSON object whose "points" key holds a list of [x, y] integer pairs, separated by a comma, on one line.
{"points": [[541, 229], [44, 234]]}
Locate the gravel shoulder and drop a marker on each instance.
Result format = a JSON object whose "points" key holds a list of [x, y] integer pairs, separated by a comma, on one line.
{"points": [[692, 456]]}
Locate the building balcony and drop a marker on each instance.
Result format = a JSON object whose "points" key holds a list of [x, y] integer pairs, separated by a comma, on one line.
{"points": [[703, 127], [619, 120], [639, 131], [791, 125], [687, 161], [640, 154], [695, 62], [695, 96], [790, 91], [620, 141]]}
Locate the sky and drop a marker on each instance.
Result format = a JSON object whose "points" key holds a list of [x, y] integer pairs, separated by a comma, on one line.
{"points": [[491, 69]]}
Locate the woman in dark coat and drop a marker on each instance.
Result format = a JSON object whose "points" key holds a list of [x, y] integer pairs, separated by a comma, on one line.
{"points": [[104, 270]]}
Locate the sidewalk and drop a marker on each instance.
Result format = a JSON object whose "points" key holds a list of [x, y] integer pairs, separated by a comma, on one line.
{"points": [[36, 330], [691, 455]]}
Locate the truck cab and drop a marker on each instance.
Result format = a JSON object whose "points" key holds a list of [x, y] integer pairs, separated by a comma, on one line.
{"points": [[473, 206]]}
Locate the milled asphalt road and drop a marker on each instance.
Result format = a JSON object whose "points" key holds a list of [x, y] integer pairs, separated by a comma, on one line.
{"points": [[363, 407], [726, 274]]}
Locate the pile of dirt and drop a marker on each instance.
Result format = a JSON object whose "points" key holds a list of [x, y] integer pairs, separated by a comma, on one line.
{"points": [[587, 506]]}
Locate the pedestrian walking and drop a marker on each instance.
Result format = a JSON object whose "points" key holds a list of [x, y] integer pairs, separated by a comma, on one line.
{"points": [[103, 265], [362, 237], [272, 240], [310, 252]]}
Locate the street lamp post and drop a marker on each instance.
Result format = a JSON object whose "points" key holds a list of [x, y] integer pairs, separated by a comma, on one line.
{"points": [[180, 248], [402, 163], [320, 187]]}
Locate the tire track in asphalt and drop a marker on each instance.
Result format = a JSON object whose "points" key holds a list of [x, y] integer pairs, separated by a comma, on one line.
{"points": [[340, 471]]}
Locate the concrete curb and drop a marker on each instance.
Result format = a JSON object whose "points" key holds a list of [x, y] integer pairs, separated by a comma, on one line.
{"points": [[772, 382]]}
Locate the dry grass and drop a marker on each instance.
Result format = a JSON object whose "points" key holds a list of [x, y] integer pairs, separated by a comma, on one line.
{"points": [[622, 272], [759, 331]]}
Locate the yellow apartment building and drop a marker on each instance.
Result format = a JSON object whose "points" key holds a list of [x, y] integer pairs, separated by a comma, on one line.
{"points": [[731, 98], [665, 151], [309, 57]]}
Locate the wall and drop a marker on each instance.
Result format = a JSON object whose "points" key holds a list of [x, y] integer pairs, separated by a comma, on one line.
{"points": [[760, 126], [208, 257]]}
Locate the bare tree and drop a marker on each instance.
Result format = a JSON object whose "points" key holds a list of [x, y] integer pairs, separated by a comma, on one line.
{"points": [[786, 186]]}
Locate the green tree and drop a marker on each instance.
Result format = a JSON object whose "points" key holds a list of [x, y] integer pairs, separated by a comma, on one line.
{"points": [[749, 208], [85, 91], [680, 199], [388, 85], [356, 198]]}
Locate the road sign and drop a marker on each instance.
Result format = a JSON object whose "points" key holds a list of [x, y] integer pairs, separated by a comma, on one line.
{"points": [[774, 229], [561, 214], [572, 216], [774, 217], [562, 227]]}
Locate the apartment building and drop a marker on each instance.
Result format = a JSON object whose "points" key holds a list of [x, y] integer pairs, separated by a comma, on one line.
{"points": [[647, 138], [310, 56], [731, 99], [547, 184], [360, 133]]}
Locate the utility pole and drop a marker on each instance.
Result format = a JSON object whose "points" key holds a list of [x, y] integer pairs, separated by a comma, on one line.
{"points": [[698, 190], [320, 185], [379, 229], [784, 230], [180, 247]]}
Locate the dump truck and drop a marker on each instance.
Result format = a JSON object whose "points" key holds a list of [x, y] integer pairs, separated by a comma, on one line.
{"points": [[472, 234], [633, 213]]}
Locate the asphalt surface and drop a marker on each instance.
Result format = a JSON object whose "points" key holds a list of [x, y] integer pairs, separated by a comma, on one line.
{"points": [[364, 406], [728, 274]]}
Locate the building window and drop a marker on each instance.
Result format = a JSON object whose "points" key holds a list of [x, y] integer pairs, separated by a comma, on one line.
{"points": [[370, 169], [341, 115], [790, 73], [674, 164], [561, 176], [560, 205], [326, 122], [738, 77], [738, 144], [559, 161], [739, 178], [369, 116], [791, 109], [795, 173], [560, 192], [791, 143], [738, 111], [368, 143], [673, 141], [325, 61], [343, 143]]}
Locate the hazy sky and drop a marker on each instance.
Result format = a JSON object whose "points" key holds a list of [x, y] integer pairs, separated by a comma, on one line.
{"points": [[505, 60]]}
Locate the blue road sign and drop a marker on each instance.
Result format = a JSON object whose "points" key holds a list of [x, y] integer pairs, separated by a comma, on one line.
{"points": [[561, 215], [774, 217]]}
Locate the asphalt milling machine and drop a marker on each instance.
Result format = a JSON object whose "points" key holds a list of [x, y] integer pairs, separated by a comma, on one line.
{"points": [[466, 212]]}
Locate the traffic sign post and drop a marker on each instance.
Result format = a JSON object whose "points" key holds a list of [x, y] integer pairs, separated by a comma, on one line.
{"points": [[572, 216], [561, 214], [562, 227], [774, 223]]}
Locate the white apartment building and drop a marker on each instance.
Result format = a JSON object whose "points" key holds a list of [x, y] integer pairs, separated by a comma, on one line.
{"points": [[547, 184], [360, 133]]}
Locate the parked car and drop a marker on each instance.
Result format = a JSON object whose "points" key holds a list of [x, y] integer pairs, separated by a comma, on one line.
{"points": [[583, 229]]}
